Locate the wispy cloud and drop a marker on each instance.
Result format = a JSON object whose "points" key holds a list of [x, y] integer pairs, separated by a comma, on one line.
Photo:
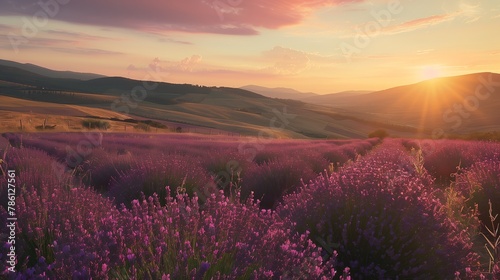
{"points": [[424, 52], [74, 35], [419, 23], [174, 41], [36, 43], [6, 28], [86, 51], [58, 45]]}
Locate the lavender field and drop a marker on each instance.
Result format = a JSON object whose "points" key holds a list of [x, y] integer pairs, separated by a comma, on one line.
{"points": [[179, 206]]}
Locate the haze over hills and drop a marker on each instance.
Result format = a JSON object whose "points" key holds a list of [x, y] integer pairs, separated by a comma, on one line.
{"points": [[279, 92], [410, 110], [332, 99], [309, 97]]}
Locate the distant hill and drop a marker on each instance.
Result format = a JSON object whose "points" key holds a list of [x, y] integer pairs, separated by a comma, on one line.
{"points": [[50, 73], [279, 92], [309, 97], [333, 99]]}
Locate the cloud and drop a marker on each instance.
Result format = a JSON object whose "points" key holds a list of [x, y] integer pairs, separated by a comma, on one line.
{"points": [[424, 52], [174, 41], [74, 35], [34, 43], [187, 64], [6, 28], [468, 10], [86, 51], [132, 68], [243, 17], [61, 45], [287, 61], [418, 23]]}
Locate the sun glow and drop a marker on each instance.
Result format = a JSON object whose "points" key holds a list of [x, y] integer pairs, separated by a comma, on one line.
{"points": [[428, 72]]}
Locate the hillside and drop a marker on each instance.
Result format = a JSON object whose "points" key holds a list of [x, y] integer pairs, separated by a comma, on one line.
{"points": [[279, 92], [404, 111], [450, 103], [219, 108], [333, 99]]}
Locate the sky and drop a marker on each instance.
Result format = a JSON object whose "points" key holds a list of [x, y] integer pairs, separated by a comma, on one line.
{"points": [[321, 46]]}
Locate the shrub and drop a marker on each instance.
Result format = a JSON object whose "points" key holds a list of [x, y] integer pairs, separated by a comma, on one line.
{"points": [[101, 167], [149, 176], [96, 124], [376, 218], [143, 127], [50, 209], [336, 156], [227, 169], [225, 241], [265, 156], [445, 156], [270, 181], [379, 133], [76, 234], [479, 184]]}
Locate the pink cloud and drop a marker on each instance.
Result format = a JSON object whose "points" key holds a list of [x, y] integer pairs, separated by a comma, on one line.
{"points": [[243, 17], [419, 23]]}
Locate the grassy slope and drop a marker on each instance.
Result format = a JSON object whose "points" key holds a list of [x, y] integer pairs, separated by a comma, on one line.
{"points": [[425, 104], [400, 110], [228, 109]]}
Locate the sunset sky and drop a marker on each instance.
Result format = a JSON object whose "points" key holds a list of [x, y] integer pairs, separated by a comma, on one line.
{"points": [[320, 46]]}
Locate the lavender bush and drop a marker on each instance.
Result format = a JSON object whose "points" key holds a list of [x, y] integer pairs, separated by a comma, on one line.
{"points": [[376, 221], [151, 175], [376, 212], [481, 183]]}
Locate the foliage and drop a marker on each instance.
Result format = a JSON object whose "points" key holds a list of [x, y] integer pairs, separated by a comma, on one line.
{"points": [[96, 124], [379, 133], [366, 209]]}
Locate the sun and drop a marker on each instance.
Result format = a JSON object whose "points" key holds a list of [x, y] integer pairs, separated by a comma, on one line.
{"points": [[428, 72]]}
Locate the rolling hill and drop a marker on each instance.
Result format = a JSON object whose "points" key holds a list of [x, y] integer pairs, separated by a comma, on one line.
{"points": [[457, 105], [333, 99], [48, 72], [451, 104], [220, 108], [308, 97], [280, 92]]}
